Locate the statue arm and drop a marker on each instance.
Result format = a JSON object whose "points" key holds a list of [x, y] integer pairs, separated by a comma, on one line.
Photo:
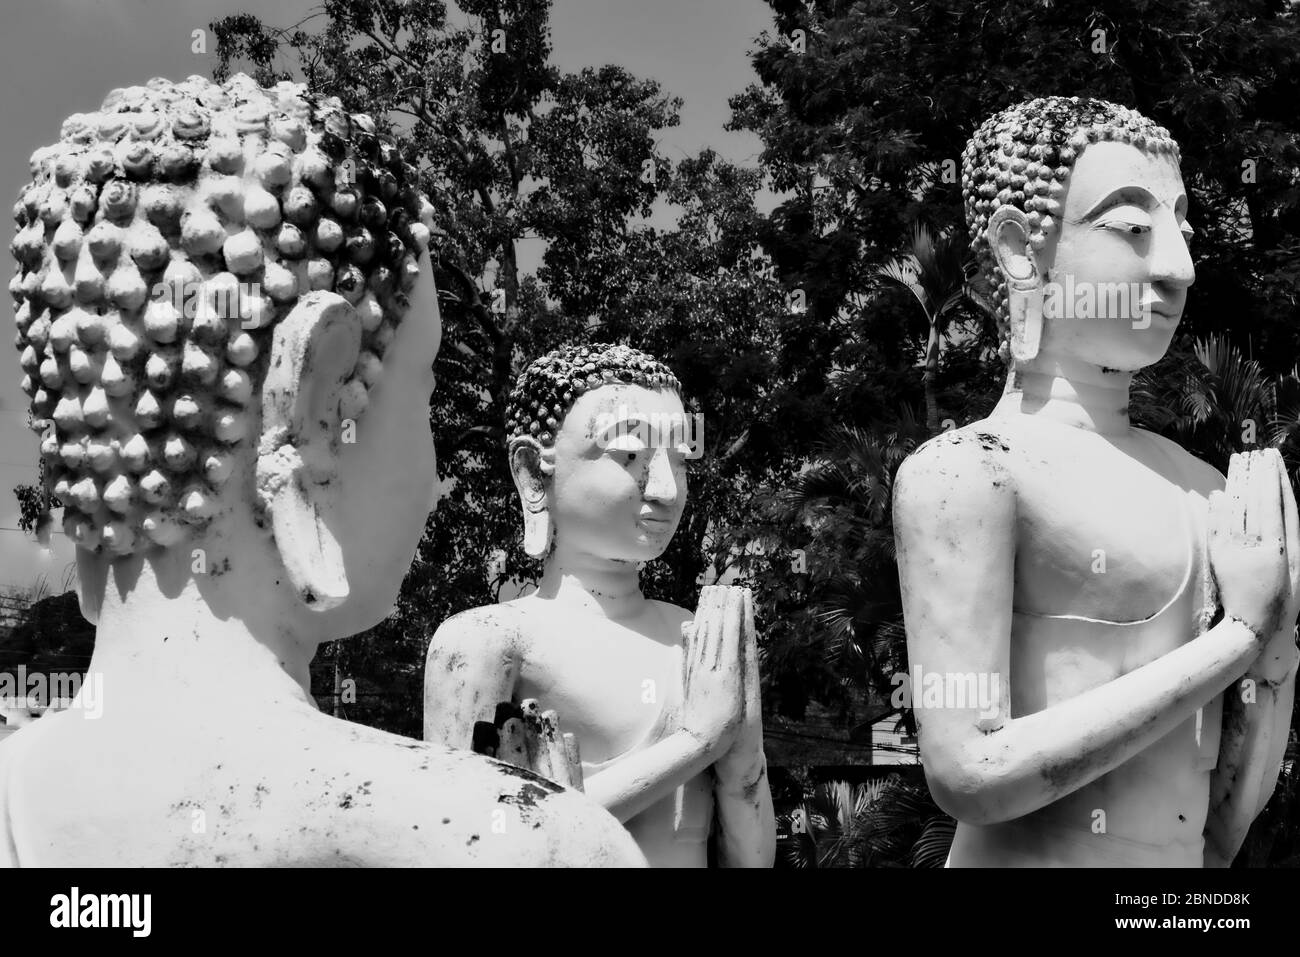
{"points": [[471, 667], [630, 785], [1256, 725], [955, 523], [747, 823], [1257, 710]]}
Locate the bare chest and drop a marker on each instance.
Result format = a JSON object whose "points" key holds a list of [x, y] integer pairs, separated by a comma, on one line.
{"points": [[1101, 533], [609, 684]]}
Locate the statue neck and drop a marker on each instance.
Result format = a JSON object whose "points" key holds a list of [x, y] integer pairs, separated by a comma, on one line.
{"points": [[595, 585], [1071, 392], [165, 632]]}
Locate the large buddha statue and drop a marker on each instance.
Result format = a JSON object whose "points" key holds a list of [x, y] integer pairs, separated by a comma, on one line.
{"points": [[1075, 565], [228, 325], [663, 703]]}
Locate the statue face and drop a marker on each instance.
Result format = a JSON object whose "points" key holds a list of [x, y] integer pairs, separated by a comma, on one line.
{"points": [[387, 477], [619, 484], [1123, 241]]}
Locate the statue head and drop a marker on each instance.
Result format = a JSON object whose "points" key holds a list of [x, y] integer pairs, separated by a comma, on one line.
{"points": [[228, 323], [1076, 212], [598, 440]]}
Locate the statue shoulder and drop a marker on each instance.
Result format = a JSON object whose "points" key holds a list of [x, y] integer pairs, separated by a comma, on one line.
{"points": [[488, 628], [973, 464], [403, 802]]}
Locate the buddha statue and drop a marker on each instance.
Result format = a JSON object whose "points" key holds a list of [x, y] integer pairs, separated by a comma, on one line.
{"points": [[1135, 611], [228, 325], [663, 704]]}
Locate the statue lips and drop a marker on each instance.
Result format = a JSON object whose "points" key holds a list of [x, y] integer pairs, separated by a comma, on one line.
{"points": [[1168, 313], [655, 524]]}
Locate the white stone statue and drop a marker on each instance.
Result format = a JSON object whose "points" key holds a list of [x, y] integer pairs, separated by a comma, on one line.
{"points": [[664, 705], [228, 324], [1072, 563]]}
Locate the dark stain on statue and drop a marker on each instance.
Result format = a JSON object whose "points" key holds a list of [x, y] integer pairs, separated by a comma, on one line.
{"points": [[1062, 776], [528, 796], [535, 780], [988, 442]]}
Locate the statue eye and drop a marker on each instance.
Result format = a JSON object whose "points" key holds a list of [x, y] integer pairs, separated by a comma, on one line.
{"points": [[1127, 218], [627, 444], [1125, 226]]}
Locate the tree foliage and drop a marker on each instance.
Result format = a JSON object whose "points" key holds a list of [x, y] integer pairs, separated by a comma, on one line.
{"points": [[513, 151]]}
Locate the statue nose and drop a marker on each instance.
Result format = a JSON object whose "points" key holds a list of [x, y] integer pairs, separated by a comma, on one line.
{"points": [[661, 483], [1172, 265]]}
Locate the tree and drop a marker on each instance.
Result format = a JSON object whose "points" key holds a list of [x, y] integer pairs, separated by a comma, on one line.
{"points": [[865, 121], [511, 150], [935, 272], [889, 822], [864, 115], [50, 636], [1213, 400]]}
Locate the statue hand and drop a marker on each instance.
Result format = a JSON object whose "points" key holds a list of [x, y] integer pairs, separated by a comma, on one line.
{"points": [[1248, 543], [713, 697], [745, 758], [530, 738], [1278, 656]]}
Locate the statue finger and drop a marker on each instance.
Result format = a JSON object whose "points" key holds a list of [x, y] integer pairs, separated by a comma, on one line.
{"points": [[553, 747], [1290, 520], [536, 752], [1236, 491], [704, 630], [729, 647], [512, 748], [1267, 501], [753, 660], [486, 739], [574, 757]]}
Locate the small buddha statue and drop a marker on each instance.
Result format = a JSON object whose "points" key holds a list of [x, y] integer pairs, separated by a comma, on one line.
{"points": [[1136, 612], [228, 325], [663, 703]]}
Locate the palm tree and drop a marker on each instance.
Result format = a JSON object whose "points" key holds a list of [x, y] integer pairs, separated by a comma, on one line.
{"points": [[1213, 400], [853, 617], [828, 829], [936, 271], [883, 823]]}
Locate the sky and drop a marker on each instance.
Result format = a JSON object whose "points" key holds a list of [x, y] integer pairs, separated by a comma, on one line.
{"points": [[63, 56]]}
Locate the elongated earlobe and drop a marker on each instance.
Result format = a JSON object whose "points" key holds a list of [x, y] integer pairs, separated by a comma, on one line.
{"points": [[313, 352], [531, 466], [1008, 235], [1025, 306]]}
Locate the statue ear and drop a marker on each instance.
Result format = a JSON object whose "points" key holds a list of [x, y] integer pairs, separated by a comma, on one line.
{"points": [[313, 352], [1008, 236], [531, 466]]}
